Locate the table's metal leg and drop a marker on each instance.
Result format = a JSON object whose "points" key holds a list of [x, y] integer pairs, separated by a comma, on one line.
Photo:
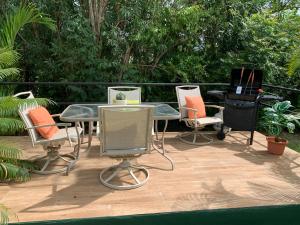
{"points": [[78, 145], [83, 131], [159, 146], [156, 129], [90, 134]]}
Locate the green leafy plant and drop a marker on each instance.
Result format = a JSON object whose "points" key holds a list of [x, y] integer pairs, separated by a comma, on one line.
{"points": [[14, 22], [4, 215], [8, 58], [120, 96], [279, 117], [10, 122], [294, 64], [12, 167]]}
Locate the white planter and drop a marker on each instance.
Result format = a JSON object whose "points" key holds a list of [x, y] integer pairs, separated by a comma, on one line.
{"points": [[120, 102]]}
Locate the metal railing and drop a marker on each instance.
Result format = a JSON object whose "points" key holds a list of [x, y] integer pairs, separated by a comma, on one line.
{"points": [[38, 86]]}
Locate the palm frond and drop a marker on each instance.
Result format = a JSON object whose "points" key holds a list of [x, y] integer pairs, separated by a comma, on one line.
{"points": [[29, 165], [10, 126], [294, 64], [9, 105], [4, 215], [23, 15], [10, 122], [10, 152], [11, 172], [12, 167], [8, 57], [8, 72]]}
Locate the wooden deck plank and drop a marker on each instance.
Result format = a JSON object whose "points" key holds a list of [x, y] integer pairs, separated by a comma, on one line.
{"points": [[225, 174]]}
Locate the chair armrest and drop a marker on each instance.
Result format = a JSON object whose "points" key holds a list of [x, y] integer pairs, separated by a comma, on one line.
{"points": [[50, 125], [189, 109], [55, 115], [215, 106]]}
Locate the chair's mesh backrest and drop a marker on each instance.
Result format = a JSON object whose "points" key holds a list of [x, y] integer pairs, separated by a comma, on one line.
{"points": [[23, 112], [131, 93], [186, 90], [125, 127]]}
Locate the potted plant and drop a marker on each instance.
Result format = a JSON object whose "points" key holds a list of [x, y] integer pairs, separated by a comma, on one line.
{"points": [[274, 120], [121, 99]]}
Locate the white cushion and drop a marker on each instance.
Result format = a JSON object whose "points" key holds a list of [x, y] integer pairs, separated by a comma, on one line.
{"points": [[62, 134], [206, 120]]}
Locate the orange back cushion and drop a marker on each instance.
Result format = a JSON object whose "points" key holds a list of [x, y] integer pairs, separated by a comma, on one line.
{"points": [[41, 116], [195, 102]]}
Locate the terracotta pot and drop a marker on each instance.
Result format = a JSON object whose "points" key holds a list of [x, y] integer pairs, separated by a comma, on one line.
{"points": [[274, 147]]}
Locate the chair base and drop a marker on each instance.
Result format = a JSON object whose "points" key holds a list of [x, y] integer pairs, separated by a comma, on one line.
{"points": [[52, 156], [116, 170], [184, 137]]}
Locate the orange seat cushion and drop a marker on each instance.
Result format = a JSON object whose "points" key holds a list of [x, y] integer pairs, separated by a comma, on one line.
{"points": [[195, 102], [40, 116]]}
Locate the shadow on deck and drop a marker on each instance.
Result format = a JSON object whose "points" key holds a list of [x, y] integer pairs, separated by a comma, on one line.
{"points": [[227, 174]]}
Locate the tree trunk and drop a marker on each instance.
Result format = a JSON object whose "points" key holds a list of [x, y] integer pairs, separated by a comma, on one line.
{"points": [[126, 58], [97, 9]]}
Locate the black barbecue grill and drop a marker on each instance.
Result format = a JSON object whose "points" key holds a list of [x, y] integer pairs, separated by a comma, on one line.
{"points": [[242, 100]]}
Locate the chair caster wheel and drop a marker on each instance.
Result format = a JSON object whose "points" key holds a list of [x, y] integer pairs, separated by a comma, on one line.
{"points": [[221, 135]]}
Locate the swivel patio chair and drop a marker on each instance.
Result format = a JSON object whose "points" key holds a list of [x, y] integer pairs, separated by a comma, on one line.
{"points": [[133, 94], [125, 134], [28, 94], [195, 123], [51, 145]]}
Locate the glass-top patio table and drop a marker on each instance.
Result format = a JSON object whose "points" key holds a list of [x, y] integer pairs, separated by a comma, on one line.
{"points": [[89, 113]]}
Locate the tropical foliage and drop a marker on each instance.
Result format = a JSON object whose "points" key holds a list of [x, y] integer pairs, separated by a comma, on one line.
{"points": [[4, 215], [13, 23], [294, 64], [279, 117], [156, 41], [10, 122], [8, 60], [12, 167]]}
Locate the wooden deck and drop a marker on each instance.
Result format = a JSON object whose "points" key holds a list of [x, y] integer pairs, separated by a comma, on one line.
{"points": [[227, 174]]}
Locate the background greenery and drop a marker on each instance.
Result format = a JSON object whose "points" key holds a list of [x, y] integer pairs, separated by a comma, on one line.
{"points": [[12, 166], [156, 41]]}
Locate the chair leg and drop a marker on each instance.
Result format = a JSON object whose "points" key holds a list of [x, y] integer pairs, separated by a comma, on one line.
{"points": [[134, 177], [116, 170], [184, 137], [195, 138], [45, 165], [52, 156]]}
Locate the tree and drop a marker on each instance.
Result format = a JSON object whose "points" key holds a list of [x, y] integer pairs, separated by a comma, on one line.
{"points": [[10, 122], [294, 63], [14, 22], [157, 41], [97, 10]]}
